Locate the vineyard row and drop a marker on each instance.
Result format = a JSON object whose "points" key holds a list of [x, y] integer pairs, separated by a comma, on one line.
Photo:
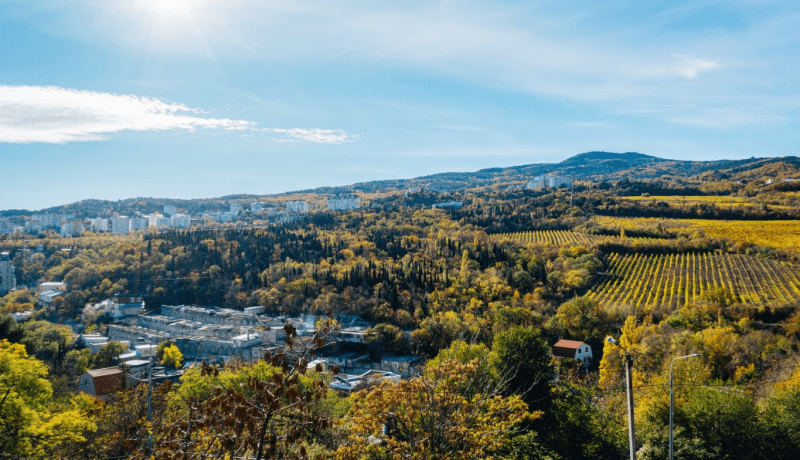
{"points": [[650, 280]]}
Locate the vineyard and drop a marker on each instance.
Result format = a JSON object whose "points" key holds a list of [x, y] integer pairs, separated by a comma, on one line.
{"points": [[779, 234], [565, 237], [673, 280], [717, 201]]}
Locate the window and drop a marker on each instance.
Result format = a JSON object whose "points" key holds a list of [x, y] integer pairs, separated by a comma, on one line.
{"points": [[586, 350]]}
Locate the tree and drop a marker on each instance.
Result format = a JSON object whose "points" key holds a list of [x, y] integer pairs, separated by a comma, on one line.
{"points": [[444, 414], [108, 355], [172, 357], [576, 428], [267, 410], [9, 329], [582, 318], [47, 341], [27, 427], [521, 354], [161, 347]]}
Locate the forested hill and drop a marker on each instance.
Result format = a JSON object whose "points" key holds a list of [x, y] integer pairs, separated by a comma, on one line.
{"points": [[594, 166]]}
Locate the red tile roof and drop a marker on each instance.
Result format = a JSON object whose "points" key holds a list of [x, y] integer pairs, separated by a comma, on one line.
{"points": [[566, 348], [574, 344]]}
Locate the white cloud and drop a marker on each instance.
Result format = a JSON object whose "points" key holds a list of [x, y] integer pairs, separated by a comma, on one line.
{"points": [[54, 115], [691, 67], [320, 136]]}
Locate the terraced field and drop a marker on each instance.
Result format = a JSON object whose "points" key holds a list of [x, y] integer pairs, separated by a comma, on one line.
{"points": [[650, 280]]}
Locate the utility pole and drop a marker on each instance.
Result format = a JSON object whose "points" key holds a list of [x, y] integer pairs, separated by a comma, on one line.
{"points": [[149, 394], [672, 397], [629, 387]]}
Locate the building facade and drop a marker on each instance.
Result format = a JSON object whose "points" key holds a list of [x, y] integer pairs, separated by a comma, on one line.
{"points": [[8, 280], [120, 224], [343, 202], [137, 223], [549, 182]]}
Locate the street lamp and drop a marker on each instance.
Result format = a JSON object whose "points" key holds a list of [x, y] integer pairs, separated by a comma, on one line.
{"points": [[672, 397], [629, 386]]}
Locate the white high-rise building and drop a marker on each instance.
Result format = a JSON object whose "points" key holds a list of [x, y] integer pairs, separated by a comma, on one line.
{"points": [[236, 208], [72, 228], [8, 281], [170, 210], [137, 223], [158, 221], [120, 224], [181, 221], [99, 224]]}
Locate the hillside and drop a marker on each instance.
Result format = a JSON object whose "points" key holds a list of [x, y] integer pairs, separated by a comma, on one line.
{"points": [[590, 166]]}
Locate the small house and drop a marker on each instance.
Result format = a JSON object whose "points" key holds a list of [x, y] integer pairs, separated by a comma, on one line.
{"points": [[101, 383], [573, 349]]}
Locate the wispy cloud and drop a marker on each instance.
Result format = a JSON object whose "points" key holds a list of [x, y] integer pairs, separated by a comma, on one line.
{"points": [[320, 136], [691, 67], [54, 115]]}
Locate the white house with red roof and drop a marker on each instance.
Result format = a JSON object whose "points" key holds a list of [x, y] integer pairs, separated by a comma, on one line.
{"points": [[574, 349]]}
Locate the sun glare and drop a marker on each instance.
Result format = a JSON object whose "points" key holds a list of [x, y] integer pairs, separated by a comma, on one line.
{"points": [[166, 11], [170, 6]]}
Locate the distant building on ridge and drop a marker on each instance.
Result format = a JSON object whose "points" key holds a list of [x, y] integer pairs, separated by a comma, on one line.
{"points": [[343, 202], [549, 182]]}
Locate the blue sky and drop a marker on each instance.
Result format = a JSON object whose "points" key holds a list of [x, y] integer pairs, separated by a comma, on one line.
{"points": [[200, 98]]}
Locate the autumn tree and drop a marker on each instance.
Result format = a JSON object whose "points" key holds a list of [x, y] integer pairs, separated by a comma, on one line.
{"points": [[172, 357], [582, 319], [271, 409], [444, 414], [28, 427]]}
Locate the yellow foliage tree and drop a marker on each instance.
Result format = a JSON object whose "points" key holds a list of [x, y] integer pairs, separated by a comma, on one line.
{"points": [[28, 429], [172, 357], [611, 367]]}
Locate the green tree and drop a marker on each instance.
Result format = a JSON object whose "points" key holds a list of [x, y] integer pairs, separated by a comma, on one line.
{"points": [[524, 357], [9, 329], [108, 355]]}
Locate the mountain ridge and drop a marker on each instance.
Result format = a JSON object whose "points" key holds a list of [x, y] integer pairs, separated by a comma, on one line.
{"points": [[593, 165]]}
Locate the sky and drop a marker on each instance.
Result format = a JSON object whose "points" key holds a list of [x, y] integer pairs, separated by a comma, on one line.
{"points": [[111, 99]]}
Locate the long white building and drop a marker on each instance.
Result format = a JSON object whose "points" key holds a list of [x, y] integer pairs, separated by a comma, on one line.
{"points": [[549, 182], [343, 202]]}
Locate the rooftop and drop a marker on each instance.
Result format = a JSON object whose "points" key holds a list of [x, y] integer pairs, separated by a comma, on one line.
{"points": [[574, 344]]}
